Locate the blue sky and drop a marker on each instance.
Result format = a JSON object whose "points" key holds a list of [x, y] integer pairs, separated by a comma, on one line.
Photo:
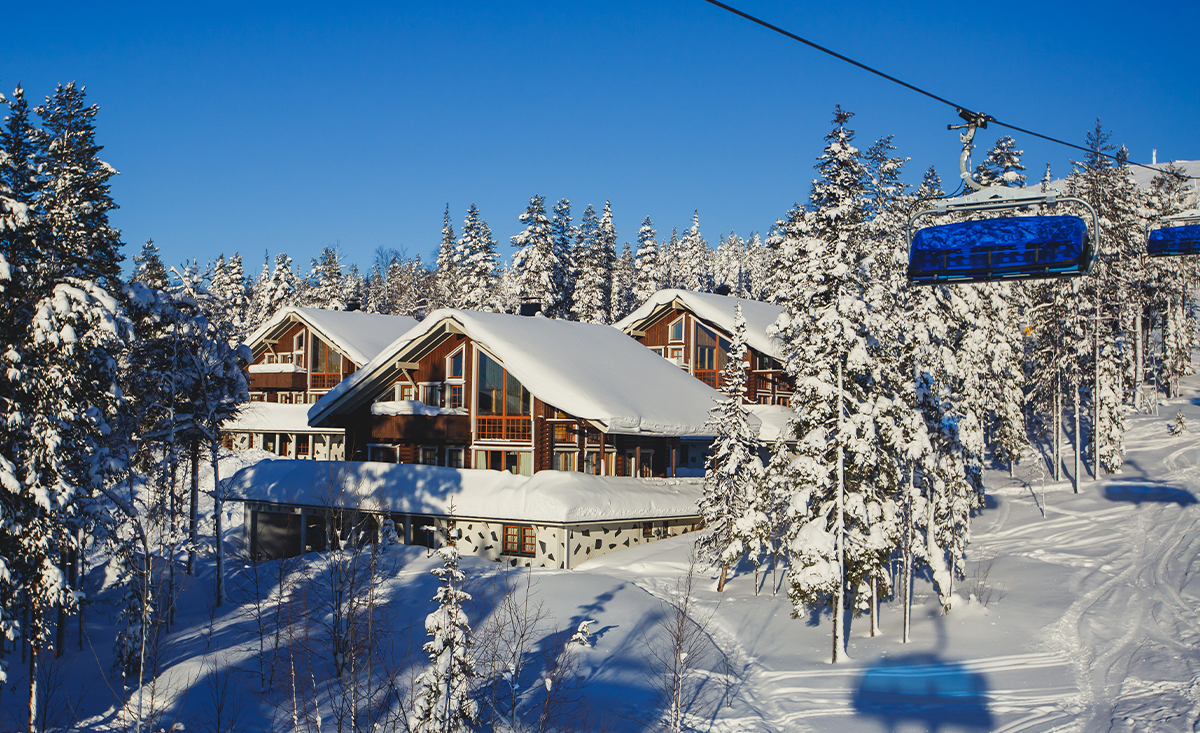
{"points": [[292, 126]]}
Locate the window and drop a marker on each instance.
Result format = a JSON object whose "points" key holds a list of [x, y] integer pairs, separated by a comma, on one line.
{"points": [[299, 342], [383, 453], [454, 457], [675, 354], [406, 392], [454, 365], [712, 353], [429, 456], [657, 349], [302, 446], [516, 462], [564, 460], [520, 540], [645, 470], [324, 359], [502, 404], [676, 330], [431, 394], [454, 395]]}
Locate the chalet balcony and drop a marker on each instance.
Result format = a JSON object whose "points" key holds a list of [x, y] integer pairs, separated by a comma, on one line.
{"points": [[504, 428], [287, 381], [326, 381], [421, 428]]}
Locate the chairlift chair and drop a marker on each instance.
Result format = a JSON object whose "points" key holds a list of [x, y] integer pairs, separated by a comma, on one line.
{"points": [[1176, 235], [997, 249]]}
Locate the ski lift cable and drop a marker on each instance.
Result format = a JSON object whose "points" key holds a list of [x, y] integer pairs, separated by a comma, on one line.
{"points": [[981, 119]]}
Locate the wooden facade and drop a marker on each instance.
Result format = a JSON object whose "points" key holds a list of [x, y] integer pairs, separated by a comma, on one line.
{"points": [[308, 366], [700, 348], [489, 420]]}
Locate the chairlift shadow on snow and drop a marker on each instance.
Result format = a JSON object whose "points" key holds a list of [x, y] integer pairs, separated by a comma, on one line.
{"points": [[925, 690], [1147, 490]]}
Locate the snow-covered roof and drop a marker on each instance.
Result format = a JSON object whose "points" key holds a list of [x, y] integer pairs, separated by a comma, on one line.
{"points": [[1144, 176], [358, 335], [588, 370], [547, 496], [774, 419], [259, 417], [715, 309]]}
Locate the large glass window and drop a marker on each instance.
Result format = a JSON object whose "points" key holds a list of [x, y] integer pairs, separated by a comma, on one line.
{"points": [[677, 330], [324, 359], [712, 353], [499, 392], [454, 365]]}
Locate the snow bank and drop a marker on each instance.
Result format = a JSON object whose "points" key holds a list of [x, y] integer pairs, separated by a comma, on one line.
{"points": [[717, 310], [547, 496]]}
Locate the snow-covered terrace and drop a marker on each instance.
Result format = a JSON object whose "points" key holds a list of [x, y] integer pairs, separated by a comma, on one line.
{"points": [[554, 497]]}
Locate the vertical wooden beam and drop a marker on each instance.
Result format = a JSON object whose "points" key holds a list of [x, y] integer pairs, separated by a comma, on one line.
{"points": [[637, 459], [581, 442]]}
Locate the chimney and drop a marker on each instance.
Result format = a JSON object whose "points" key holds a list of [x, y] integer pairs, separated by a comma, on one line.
{"points": [[721, 289], [1154, 157], [530, 307]]}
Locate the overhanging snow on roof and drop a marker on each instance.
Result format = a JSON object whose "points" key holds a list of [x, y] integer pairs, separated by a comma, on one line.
{"points": [[717, 310], [560, 497], [358, 335], [591, 371]]}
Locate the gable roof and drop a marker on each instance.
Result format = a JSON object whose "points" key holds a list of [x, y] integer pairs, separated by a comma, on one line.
{"points": [[588, 370], [358, 335], [715, 309]]}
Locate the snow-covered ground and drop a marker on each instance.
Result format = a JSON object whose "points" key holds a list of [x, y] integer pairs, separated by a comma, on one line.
{"points": [[1092, 625]]}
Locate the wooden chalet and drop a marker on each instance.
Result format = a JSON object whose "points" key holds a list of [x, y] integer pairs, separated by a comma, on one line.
{"points": [[299, 355], [522, 394], [693, 331]]}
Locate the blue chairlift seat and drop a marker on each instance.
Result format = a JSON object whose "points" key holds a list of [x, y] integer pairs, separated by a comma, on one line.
{"points": [[1170, 241], [1003, 248], [1009, 248]]}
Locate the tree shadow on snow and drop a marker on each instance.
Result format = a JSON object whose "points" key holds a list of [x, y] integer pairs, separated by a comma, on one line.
{"points": [[1148, 490]]}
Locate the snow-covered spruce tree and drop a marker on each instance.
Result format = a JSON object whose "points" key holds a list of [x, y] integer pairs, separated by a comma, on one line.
{"points": [[623, 281], [476, 255], [442, 701], [1002, 167], [758, 263], [231, 298], [446, 288], [670, 274], [730, 266], [594, 258], [646, 264], [841, 524], [693, 260], [586, 295], [211, 370], [567, 269], [733, 471], [327, 281], [74, 201], [538, 272], [148, 267], [61, 329]]}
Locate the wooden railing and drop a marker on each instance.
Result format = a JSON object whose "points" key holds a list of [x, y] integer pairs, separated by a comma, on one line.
{"points": [[504, 428], [326, 380]]}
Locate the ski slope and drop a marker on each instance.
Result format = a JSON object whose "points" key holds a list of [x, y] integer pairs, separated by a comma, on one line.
{"points": [[1092, 625]]}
